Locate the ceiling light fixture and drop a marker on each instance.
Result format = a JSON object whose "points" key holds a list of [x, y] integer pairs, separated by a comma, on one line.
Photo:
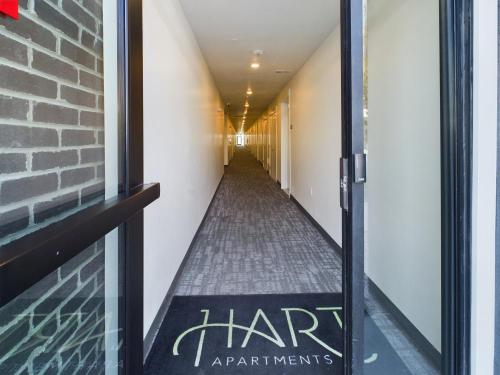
{"points": [[249, 92], [255, 63], [247, 105]]}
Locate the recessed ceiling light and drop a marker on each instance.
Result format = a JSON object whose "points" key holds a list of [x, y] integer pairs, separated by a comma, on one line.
{"points": [[249, 92], [247, 105], [255, 65]]}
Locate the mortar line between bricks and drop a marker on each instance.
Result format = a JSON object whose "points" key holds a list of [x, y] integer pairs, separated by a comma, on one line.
{"points": [[33, 16], [31, 71], [47, 222], [54, 54], [49, 292], [61, 10], [23, 174], [44, 198], [15, 150], [27, 123]]}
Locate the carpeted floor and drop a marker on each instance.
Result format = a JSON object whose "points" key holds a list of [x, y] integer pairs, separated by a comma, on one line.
{"points": [[256, 241]]}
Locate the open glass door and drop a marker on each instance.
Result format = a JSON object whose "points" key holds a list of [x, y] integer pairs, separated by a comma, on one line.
{"points": [[405, 186]]}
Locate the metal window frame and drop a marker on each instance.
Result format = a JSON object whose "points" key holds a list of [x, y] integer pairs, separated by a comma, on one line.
{"points": [[456, 80]]}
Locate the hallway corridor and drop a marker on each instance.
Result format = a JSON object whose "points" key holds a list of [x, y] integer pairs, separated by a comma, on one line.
{"points": [[256, 241]]}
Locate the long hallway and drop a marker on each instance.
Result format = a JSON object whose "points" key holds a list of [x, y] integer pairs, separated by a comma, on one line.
{"points": [[255, 240]]}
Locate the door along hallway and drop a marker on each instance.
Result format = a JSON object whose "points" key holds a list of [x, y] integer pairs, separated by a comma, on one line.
{"points": [[255, 240]]}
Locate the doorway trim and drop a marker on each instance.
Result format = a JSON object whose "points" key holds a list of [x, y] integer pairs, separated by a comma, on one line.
{"points": [[456, 80]]}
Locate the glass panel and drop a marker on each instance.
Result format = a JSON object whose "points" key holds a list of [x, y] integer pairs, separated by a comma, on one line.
{"points": [[52, 133], [69, 321], [403, 192]]}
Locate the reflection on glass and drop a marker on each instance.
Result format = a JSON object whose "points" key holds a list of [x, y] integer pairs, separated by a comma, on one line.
{"points": [[64, 323], [402, 193]]}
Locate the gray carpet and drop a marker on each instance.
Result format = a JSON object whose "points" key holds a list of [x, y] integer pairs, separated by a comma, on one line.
{"points": [[256, 241]]}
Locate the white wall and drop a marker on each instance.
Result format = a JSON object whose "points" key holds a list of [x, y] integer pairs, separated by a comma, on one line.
{"points": [[315, 114], [183, 134], [403, 185]]}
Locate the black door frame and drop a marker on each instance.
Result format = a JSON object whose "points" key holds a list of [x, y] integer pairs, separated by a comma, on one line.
{"points": [[456, 80], [130, 73]]}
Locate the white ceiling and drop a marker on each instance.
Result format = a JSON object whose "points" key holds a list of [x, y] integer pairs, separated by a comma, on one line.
{"points": [[228, 31]]}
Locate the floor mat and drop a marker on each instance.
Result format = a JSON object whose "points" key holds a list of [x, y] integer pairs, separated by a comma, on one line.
{"points": [[261, 334]]}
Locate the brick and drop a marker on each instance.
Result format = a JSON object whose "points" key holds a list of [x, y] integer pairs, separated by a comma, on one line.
{"points": [[58, 159], [93, 119], [53, 17], [13, 363], [76, 176], [78, 97], [91, 81], [54, 114], [99, 66], [20, 81], [56, 67], [72, 306], [11, 163], [92, 42], [81, 16], [74, 263], [10, 339], [100, 137], [77, 137], [13, 51], [55, 207], [94, 7], [27, 187], [14, 221], [93, 193], [50, 304], [13, 108], [70, 358], [100, 171], [92, 155], [77, 54], [92, 268], [25, 137], [30, 30], [100, 102]]}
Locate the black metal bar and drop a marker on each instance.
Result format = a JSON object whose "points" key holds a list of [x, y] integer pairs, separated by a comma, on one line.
{"points": [[353, 143], [26, 261], [132, 58], [456, 52]]}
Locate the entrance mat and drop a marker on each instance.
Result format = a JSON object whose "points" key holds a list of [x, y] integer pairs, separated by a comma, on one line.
{"points": [[262, 334]]}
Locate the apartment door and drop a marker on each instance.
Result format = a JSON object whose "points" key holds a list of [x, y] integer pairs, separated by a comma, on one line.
{"points": [[404, 186], [272, 145], [71, 193]]}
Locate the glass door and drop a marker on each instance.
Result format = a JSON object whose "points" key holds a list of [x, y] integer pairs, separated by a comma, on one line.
{"points": [[405, 186], [402, 204], [71, 192]]}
